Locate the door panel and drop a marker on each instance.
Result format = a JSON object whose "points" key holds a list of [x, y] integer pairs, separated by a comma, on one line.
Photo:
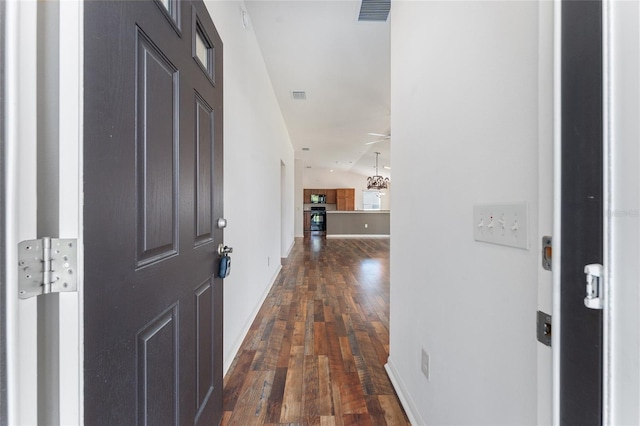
{"points": [[582, 218], [157, 152], [204, 345], [204, 167], [158, 368], [153, 189]]}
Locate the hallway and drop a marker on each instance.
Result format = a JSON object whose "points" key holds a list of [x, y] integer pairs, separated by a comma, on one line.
{"points": [[316, 351]]}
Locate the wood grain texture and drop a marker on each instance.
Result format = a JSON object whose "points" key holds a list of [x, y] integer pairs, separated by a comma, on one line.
{"points": [[315, 352]]}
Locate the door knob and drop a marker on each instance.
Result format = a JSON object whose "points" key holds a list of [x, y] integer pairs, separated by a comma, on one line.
{"points": [[224, 250], [222, 223]]}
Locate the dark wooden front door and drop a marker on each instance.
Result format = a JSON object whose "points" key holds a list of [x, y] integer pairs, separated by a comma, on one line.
{"points": [[152, 195], [582, 217]]}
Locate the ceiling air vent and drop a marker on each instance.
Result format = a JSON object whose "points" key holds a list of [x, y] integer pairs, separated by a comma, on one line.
{"points": [[299, 95], [374, 10]]}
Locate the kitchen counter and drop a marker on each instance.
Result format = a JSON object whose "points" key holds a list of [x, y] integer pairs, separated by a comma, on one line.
{"points": [[358, 223], [358, 211]]}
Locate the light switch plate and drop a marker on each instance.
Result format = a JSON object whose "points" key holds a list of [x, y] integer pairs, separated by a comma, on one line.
{"points": [[504, 224]]}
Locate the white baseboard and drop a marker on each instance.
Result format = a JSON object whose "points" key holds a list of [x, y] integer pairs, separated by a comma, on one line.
{"points": [[293, 242], [359, 236], [405, 399], [252, 317]]}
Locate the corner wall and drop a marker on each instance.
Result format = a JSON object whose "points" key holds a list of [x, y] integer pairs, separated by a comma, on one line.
{"points": [[256, 141], [299, 198], [464, 101]]}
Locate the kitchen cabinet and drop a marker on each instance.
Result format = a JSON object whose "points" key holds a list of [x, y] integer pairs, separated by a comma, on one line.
{"points": [[307, 221], [331, 196], [345, 199]]}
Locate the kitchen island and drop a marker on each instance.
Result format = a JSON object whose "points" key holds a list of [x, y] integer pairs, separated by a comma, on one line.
{"points": [[358, 223]]}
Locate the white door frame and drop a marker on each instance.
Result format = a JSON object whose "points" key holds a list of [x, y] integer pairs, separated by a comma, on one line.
{"points": [[545, 197], [557, 197], [71, 206], [20, 81], [621, 49], [21, 192], [621, 157], [3, 207]]}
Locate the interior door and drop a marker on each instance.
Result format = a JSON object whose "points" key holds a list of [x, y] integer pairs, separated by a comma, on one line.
{"points": [[152, 197], [581, 210]]}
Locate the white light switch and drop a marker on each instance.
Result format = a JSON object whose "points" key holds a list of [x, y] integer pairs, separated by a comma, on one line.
{"points": [[504, 224]]}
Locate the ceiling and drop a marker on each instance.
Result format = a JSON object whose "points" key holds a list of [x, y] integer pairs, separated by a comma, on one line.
{"points": [[319, 47]]}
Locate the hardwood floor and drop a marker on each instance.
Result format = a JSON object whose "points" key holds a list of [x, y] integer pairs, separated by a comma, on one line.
{"points": [[315, 353]]}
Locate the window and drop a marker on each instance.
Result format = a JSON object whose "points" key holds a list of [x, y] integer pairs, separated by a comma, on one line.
{"points": [[171, 11], [203, 50], [371, 200]]}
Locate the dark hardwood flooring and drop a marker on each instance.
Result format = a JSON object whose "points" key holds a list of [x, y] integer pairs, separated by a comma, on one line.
{"points": [[315, 353]]}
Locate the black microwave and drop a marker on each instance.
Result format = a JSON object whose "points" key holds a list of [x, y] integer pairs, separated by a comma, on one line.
{"points": [[318, 198]]}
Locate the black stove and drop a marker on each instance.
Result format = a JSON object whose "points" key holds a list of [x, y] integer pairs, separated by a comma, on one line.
{"points": [[318, 222]]}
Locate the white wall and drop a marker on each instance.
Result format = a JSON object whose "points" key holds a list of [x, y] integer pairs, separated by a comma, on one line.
{"points": [[323, 178], [256, 141], [622, 222], [298, 198], [464, 101]]}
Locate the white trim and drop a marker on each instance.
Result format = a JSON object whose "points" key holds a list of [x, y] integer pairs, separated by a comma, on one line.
{"points": [[544, 354], [71, 42], [359, 236], [557, 198], [21, 148], [621, 107], [403, 395], [289, 249], [11, 225], [252, 317], [284, 203], [607, 207]]}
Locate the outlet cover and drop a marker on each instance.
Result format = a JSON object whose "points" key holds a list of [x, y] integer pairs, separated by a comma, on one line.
{"points": [[425, 364]]}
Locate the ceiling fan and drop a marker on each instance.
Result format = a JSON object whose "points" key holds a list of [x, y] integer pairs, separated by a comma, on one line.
{"points": [[381, 136]]}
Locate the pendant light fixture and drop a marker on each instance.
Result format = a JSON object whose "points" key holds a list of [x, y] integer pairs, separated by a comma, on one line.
{"points": [[377, 181]]}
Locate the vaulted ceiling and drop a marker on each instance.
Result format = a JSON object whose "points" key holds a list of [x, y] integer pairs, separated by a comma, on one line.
{"points": [[319, 47]]}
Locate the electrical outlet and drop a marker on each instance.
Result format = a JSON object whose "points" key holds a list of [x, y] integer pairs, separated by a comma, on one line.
{"points": [[366, 225], [425, 364]]}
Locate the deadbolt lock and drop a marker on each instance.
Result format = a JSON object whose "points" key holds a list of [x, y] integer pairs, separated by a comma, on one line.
{"points": [[543, 326], [547, 251]]}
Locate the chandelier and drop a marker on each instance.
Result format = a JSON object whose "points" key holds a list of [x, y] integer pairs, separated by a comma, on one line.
{"points": [[377, 181]]}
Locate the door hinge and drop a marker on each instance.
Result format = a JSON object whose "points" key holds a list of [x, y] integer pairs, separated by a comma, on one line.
{"points": [[47, 265], [595, 286]]}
